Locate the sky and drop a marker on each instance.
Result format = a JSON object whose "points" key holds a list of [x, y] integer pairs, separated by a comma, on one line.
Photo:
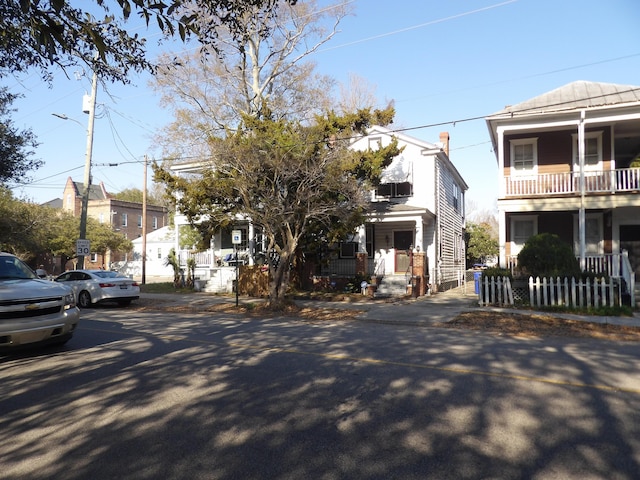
{"points": [[445, 64]]}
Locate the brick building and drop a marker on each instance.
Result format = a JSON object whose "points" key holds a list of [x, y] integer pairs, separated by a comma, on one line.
{"points": [[123, 216]]}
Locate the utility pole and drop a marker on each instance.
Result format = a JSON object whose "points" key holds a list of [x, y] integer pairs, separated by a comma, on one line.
{"points": [[87, 164], [144, 223]]}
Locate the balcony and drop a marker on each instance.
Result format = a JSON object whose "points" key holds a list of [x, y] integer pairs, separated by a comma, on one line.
{"points": [[604, 181]]}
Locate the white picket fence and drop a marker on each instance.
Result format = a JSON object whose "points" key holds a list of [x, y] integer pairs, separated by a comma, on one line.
{"points": [[495, 291], [573, 293], [547, 292]]}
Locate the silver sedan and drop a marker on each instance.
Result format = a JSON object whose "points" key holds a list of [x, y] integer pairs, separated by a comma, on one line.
{"points": [[98, 286]]}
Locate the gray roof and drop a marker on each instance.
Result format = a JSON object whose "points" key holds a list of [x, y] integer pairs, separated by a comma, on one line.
{"points": [[95, 191], [576, 95]]}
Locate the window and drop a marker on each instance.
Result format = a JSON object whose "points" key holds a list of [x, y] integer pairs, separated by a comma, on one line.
{"points": [[159, 253], [592, 151], [348, 249], [101, 217], [524, 156], [94, 258], [393, 190], [594, 243], [139, 221], [456, 196], [154, 223], [124, 219], [69, 203], [522, 228]]}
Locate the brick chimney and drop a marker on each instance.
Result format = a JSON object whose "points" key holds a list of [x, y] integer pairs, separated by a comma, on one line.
{"points": [[444, 140]]}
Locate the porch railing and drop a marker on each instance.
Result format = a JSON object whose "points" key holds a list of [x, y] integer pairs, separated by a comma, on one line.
{"points": [[619, 180]]}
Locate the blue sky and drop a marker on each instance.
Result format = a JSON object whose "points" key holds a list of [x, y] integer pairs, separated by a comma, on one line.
{"points": [[444, 63]]}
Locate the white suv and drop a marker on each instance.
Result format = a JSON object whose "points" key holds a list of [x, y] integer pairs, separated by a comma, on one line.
{"points": [[33, 310]]}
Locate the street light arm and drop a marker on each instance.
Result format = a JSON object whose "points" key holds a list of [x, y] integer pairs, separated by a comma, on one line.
{"points": [[62, 116]]}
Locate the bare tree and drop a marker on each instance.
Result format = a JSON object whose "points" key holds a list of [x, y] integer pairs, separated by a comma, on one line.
{"points": [[262, 70]]}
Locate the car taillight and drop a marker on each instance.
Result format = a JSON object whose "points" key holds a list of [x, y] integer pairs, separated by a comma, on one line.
{"points": [[134, 284], [106, 285]]}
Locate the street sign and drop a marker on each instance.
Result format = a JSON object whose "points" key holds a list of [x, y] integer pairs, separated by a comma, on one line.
{"points": [[83, 248], [236, 237]]}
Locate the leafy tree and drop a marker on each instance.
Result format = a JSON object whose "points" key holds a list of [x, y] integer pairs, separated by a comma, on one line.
{"points": [[37, 33], [547, 255], [23, 226], [63, 235], [136, 195], [190, 238], [103, 238], [15, 145], [288, 179], [482, 243]]}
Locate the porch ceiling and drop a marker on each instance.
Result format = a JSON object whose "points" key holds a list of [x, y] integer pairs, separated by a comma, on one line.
{"points": [[394, 212]]}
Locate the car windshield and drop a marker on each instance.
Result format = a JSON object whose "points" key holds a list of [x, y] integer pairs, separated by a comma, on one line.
{"points": [[13, 268]]}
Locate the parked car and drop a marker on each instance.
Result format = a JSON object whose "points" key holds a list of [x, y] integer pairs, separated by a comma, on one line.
{"points": [[97, 286], [33, 310]]}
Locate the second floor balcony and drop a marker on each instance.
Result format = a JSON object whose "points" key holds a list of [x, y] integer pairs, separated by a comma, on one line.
{"points": [[569, 183]]}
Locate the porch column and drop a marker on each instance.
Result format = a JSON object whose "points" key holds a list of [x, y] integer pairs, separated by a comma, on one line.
{"points": [[251, 243], [581, 213], [502, 225], [419, 272], [419, 235], [502, 238]]}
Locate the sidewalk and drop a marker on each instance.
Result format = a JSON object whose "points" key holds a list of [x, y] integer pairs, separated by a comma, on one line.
{"points": [[426, 310]]}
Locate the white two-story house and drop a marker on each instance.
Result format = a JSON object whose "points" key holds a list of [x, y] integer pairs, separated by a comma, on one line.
{"points": [[418, 210]]}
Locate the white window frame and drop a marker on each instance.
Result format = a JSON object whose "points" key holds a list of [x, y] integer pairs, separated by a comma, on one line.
{"points": [[517, 244], [588, 166], [524, 172], [374, 143], [139, 221], [154, 223], [124, 220]]}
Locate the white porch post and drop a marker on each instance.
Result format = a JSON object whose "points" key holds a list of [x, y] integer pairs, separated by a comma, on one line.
{"points": [[502, 226], [502, 238], [419, 235], [581, 214], [251, 243]]}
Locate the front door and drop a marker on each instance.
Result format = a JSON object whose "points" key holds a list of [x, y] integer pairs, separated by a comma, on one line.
{"points": [[402, 242]]}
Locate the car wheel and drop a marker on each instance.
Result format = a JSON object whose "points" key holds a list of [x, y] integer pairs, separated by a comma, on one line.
{"points": [[84, 299]]}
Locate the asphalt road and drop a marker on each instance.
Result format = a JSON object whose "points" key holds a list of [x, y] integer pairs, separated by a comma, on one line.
{"points": [[166, 396]]}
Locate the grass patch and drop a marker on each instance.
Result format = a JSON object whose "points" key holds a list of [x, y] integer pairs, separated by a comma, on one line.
{"points": [[602, 311]]}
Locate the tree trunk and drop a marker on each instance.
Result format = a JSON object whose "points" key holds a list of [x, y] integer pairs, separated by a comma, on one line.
{"points": [[279, 285]]}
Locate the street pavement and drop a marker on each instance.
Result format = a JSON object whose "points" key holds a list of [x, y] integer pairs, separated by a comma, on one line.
{"points": [[427, 310]]}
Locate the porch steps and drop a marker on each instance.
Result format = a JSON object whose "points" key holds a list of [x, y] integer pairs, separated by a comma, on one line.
{"points": [[392, 286]]}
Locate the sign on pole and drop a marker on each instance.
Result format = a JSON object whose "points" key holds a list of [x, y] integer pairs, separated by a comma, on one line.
{"points": [[236, 237], [83, 248]]}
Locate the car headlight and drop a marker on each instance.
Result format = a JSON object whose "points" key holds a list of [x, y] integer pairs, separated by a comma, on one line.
{"points": [[69, 301]]}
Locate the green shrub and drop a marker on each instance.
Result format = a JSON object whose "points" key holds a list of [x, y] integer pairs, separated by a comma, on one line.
{"points": [[497, 272], [546, 255]]}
